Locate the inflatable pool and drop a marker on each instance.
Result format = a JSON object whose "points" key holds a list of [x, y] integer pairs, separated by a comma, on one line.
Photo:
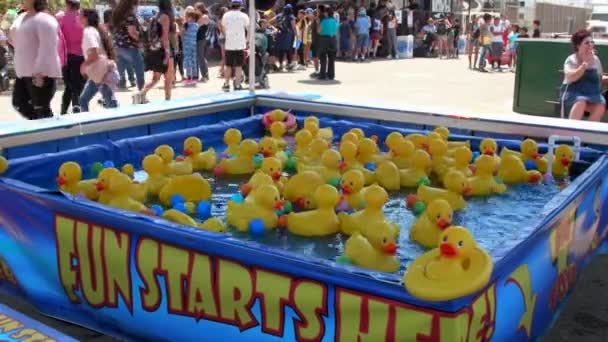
{"points": [[138, 277]]}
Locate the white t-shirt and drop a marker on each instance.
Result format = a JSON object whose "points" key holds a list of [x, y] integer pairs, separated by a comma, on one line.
{"points": [[500, 28], [235, 25], [572, 63], [92, 40]]}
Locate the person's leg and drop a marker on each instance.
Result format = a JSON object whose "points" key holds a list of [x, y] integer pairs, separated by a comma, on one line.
{"points": [[122, 60], [289, 53], [41, 98], [578, 110], [139, 68], [66, 98], [169, 79], [596, 111], [482, 57], [150, 85], [323, 57], [389, 44], [131, 74], [109, 99], [476, 56], [90, 89], [307, 54], [223, 61], [202, 58], [22, 98], [77, 80], [331, 59]]}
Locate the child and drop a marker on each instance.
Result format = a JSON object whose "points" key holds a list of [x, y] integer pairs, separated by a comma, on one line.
{"points": [[344, 38], [513, 35], [377, 32], [190, 48], [362, 25], [524, 33]]}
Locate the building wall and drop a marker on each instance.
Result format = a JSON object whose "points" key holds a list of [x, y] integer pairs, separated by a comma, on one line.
{"points": [[556, 18]]}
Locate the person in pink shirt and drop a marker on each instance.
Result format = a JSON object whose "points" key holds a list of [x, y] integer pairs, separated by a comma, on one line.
{"points": [[33, 35], [71, 29]]}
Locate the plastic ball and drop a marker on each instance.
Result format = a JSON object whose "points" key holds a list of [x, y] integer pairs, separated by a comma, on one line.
{"points": [[530, 165], [411, 200], [423, 181], [290, 165], [287, 207], [334, 181], [96, 168], [418, 208], [219, 171], [498, 180], [282, 221], [108, 164], [344, 260], [257, 160], [180, 207], [342, 206], [370, 166], [176, 199], [288, 153], [224, 156], [180, 158], [128, 170], [190, 207], [157, 209], [256, 227], [237, 198], [245, 189], [475, 156], [203, 209]]}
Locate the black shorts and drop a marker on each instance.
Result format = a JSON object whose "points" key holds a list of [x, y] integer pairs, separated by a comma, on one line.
{"points": [[235, 58], [154, 59]]}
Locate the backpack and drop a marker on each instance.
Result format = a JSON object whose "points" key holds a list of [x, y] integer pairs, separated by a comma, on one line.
{"points": [[442, 28]]}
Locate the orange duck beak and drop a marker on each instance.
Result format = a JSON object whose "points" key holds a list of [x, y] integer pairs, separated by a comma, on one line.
{"points": [[347, 189], [245, 189], [390, 248], [535, 156], [99, 186], [467, 190], [187, 152], [443, 224], [488, 152], [276, 176], [448, 250], [300, 202], [60, 181], [565, 162]]}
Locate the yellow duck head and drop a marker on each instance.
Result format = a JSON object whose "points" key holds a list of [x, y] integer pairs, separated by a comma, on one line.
{"points": [[232, 137], [564, 154], [268, 147], [349, 136], [463, 156], [444, 132], [119, 184], [440, 213], [272, 167], [382, 238], [317, 147], [392, 139], [358, 132], [104, 178], [277, 129], [367, 148], [433, 135], [420, 141], [278, 115], [303, 138], [3, 164], [485, 165], [69, 173], [331, 159], [248, 148], [421, 160], [403, 149], [375, 197], [488, 147], [438, 147], [311, 119], [267, 197], [312, 127], [456, 242], [327, 197], [456, 182], [192, 146], [348, 150], [153, 165], [352, 181], [529, 148], [165, 152]]}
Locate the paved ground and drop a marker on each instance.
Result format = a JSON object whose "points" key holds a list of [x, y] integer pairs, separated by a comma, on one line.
{"points": [[419, 82]]}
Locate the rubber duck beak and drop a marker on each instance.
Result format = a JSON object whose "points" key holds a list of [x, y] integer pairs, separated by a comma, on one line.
{"points": [[300, 202], [188, 152], [282, 221], [565, 162], [393, 152], [179, 158], [342, 166], [447, 250], [278, 205], [276, 175], [374, 138], [245, 189], [390, 248], [535, 156], [443, 224], [99, 186], [60, 180], [467, 190], [488, 152], [266, 154], [425, 147], [347, 189]]}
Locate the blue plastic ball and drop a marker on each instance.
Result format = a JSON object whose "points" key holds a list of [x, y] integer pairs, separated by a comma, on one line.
{"points": [[176, 199], [370, 166], [288, 153], [475, 156], [237, 198], [108, 164], [204, 210], [157, 209], [181, 207], [256, 227], [530, 165]]}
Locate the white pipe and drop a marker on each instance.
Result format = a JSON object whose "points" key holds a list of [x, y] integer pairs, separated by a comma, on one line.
{"points": [[553, 139], [251, 33]]}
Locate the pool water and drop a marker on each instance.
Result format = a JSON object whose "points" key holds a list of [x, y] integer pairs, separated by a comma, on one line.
{"points": [[492, 220]]}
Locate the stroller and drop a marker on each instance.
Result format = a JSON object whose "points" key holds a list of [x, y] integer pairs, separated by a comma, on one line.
{"points": [[261, 61]]}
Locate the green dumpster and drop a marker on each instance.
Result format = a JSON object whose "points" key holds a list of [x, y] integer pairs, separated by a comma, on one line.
{"points": [[540, 64]]}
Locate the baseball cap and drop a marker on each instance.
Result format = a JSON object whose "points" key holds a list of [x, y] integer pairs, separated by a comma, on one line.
{"points": [[236, 2], [308, 10]]}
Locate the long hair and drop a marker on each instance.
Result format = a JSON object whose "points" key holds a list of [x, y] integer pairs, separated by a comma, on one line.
{"points": [[165, 7], [93, 21], [124, 8]]}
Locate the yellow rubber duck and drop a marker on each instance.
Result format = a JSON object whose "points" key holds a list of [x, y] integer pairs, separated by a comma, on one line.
{"points": [[368, 152], [316, 149], [257, 179], [351, 184], [349, 136], [268, 148], [172, 167], [103, 183], [321, 221], [302, 141], [326, 133], [440, 161], [388, 176], [401, 153], [375, 198], [3, 165], [243, 163], [232, 139], [462, 161], [348, 151], [193, 150], [489, 147], [120, 197], [484, 183], [429, 225], [528, 150], [329, 169], [277, 131], [375, 251], [129, 170], [420, 169], [153, 165], [69, 180], [512, 171], [456, 269], [193, 188], [273, 168], [358, 132], [561, 162], [392, 139], [444, 133], [212, 224], [420, 141], [456, 185], [300, 188], [261, 204]]}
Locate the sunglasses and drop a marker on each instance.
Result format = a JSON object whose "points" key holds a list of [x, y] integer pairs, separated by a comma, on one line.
{"points": [[589, 42]]}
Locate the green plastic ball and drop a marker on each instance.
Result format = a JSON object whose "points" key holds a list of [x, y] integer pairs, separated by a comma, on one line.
{"points": [[290, 166], [334, 181], [424, 181], [287, 207], [344, 260], [498, 180], [418, 208], [96, 168]]}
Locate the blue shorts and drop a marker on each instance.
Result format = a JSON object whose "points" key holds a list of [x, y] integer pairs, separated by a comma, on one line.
{"points": [[362, 40]]}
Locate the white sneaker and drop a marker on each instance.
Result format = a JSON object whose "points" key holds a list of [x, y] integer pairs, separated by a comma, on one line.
{"points": [[301, 67]]}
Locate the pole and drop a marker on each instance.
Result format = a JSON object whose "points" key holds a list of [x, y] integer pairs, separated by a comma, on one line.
{"points": [[251, 36]]}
